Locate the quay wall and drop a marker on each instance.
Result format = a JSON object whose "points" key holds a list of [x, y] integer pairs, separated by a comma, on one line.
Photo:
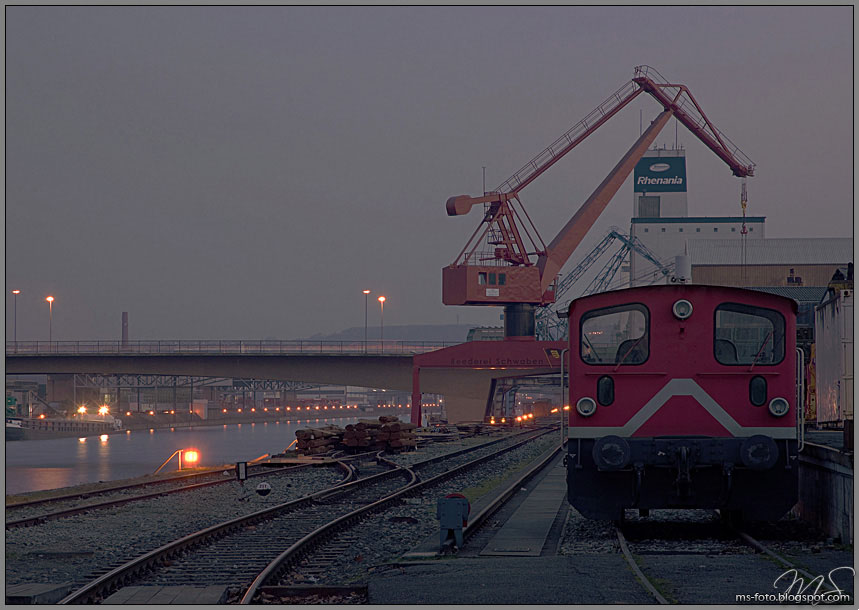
{"points": [[826, 490], [43, 429]]}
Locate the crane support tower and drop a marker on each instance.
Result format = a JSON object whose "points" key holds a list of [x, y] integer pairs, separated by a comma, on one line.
{"points": [[505, 261]]}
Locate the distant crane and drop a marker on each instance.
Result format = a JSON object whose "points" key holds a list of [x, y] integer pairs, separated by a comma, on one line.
{"points": [[552, 328], [498, 267]]}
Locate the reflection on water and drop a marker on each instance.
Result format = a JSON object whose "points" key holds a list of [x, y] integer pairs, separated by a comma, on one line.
{"points": [[63, 462]]}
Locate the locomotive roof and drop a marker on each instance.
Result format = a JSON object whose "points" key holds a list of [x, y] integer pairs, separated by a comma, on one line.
{"points": [[643, 292]]}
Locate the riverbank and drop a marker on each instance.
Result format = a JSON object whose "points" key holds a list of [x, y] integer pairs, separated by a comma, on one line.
{"points": [[46, 429]]}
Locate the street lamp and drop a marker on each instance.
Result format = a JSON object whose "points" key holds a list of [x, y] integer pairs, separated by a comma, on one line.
{"points": [[366, 293], [15, 323], [50, 301], [382, 325]]}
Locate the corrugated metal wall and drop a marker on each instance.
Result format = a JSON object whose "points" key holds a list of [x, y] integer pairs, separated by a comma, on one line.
{"points": [[833, 331]]}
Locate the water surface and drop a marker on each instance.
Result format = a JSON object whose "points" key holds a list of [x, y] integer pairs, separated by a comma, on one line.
{"points": [[63, 462]]}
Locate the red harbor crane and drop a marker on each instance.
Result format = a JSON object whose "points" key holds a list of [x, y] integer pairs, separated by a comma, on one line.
{"points": [[506, 262]]}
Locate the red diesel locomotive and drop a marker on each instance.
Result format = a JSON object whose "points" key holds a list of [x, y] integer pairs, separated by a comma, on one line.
{"points": [[683, 396]]}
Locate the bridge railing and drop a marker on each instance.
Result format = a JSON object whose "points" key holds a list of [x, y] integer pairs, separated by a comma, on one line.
{"points": [[37, 348]]}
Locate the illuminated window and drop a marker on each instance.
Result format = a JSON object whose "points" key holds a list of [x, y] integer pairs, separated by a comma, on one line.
{"points": [[481, 278]]}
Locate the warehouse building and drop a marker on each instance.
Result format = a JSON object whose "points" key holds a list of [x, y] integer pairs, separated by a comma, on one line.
{"points": [[788, 262]]}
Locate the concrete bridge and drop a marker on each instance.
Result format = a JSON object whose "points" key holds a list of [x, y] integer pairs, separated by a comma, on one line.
{"points": [[462, 373]]}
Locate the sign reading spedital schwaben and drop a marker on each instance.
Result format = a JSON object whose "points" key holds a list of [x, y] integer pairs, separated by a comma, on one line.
{"points": [[660, 175]]}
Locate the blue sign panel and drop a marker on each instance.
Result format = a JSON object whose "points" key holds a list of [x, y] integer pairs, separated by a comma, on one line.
{"points": [[660, 175]]}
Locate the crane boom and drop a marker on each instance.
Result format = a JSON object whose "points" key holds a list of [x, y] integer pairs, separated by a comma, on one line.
{"points": [[571, 235]]}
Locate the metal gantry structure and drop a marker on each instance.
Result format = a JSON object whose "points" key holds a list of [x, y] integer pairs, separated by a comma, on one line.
{"points": [[128, 384], [551, 326], [87, 380]]}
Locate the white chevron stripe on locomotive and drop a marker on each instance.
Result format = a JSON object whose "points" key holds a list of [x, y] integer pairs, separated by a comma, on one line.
{"points": [[682, 387]]}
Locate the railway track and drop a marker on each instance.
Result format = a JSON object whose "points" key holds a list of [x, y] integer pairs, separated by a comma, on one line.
{"points": [[327, 553], [234, 552], [676, 562], [26, 514]]}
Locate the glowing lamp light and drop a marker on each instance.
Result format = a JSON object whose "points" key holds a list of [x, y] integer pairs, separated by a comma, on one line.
{"points": [[103, 438], [81, 440], [103, 410], [253, 410], [152, 412], [42, 416], [191, 456], [81, 409], [566, 407]]}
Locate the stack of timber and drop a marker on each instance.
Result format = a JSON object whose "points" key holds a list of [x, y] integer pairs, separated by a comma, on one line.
{"points": [[385, 433], [470, 429], [315, 441], [398, 435], [363, 434]]}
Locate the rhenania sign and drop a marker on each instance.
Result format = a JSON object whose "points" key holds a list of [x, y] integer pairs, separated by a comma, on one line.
{"points": [[660, 175]]}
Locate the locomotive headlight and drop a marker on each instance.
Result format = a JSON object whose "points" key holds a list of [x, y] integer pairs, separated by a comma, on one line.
{"points": [[586, 406], [682, 309], [779, 406]]}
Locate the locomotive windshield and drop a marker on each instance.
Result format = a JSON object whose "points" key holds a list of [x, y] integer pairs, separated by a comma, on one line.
{"points": [[748, 335], [616, 335]]}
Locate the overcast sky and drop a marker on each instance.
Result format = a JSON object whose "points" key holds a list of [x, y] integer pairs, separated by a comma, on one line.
{"points": [[243, 173]]}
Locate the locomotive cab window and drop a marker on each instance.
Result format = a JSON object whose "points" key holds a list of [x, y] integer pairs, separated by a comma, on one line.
{"points": [[747, 335], [615, 335]]}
